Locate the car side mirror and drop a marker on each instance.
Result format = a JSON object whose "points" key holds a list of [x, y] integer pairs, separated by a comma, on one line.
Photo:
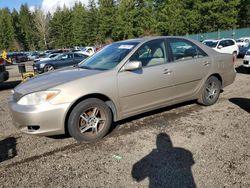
{"points": [[219, 47], [132, 65]]}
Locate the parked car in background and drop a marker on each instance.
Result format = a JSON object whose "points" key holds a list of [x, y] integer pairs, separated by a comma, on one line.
{"points": [[47, 57], [242, 41], [17, 57], [246, 61], [227, 46], [63, 60], [243, 50], [89, 51], [124, 79], [4, 75], [33, 55]]}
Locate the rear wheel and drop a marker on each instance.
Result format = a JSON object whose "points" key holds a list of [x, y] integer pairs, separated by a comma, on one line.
{"points": [[210, 92], [90, 120], [48, 68]]}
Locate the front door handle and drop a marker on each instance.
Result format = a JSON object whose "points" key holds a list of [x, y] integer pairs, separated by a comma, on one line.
{"points": [[167, 71], [206, 63]]}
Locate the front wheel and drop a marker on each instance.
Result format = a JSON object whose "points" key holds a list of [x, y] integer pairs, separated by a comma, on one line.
{"points": [[48, 68], [90, 120], [210, 92]]}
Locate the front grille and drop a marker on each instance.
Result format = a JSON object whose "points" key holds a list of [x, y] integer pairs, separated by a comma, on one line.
{"points": [[17, 96], [245, 62]]}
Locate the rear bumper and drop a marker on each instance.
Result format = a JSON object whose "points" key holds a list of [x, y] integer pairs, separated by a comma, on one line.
{"points": [[229, 77], [246, 63], [47, 119], [4, 76]]}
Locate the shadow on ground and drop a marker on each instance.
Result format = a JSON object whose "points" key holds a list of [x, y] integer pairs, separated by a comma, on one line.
{"points": [[152, 117], [9, 85], [241, 102], [7, 149], [166, 166], [242, 70]]}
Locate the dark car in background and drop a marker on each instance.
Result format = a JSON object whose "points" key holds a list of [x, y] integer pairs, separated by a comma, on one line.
{"points": [[17, 57], [243, 50], [60, 61], [4, 75]]}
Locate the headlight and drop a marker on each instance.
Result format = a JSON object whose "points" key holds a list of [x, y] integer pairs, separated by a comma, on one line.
{"points": [[38, 97], [42, 65]]}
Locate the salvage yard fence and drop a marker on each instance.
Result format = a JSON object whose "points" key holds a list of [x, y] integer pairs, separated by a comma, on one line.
{"points": [[233, 33]]}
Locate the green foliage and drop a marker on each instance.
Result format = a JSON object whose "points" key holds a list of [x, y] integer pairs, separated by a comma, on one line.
{"points": [[27, 28], [113, 20], [7, 30], [244, 13]]}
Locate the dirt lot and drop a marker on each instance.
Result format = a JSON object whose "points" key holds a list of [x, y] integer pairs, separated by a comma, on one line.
{"points": [[186, 145]]}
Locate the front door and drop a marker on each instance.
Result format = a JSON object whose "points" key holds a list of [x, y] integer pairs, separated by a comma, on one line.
{"points": [[149, 87]]}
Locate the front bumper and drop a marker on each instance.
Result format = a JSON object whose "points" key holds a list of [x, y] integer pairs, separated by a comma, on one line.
{"points": [[37, 69], [44, 120]]}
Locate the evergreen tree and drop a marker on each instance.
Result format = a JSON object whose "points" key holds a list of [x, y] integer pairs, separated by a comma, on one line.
{"points": [[27, 28], [61, 28], [79, 25], [7, 35], [124, 27], [244, 13], [106, 15], [219, 15], [92, 23]]}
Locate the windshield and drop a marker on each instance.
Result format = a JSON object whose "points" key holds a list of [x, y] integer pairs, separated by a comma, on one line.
{"points": [[211, 44], [109, 57], [239, 40]]}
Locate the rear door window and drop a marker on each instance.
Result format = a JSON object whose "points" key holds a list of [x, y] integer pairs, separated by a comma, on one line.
{"points": [[182, 49]]}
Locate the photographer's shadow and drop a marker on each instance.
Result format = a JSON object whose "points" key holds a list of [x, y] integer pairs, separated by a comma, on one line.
{"points": [[166, 166]]}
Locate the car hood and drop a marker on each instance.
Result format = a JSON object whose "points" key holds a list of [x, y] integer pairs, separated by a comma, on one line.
{"points": [[52, 79]]}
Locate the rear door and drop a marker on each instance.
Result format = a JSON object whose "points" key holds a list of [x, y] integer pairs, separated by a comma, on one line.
{"points": [[150, 86], [79, 57], [67, 60], [191, 66]]}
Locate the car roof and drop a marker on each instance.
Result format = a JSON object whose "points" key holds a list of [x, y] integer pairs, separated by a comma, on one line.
{"points": [[147, 38]]}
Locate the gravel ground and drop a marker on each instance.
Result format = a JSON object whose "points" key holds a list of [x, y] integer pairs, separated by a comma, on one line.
{"points": [[185, 145]]}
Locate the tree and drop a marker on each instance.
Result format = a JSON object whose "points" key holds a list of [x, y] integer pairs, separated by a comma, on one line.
{"points": [[27, 28], [79, 25], [244, 13], [123, 23], [219, 14], [92, 23], [106, 14], [41, 22], [7, 35], [61, 28]]}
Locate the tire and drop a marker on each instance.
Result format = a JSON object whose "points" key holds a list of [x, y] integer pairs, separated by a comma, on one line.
{"points": [[210, 91], [90, 120], [48, 68]]}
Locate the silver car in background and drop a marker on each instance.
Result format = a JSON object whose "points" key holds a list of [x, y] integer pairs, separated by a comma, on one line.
{"points": [[124, 79]]}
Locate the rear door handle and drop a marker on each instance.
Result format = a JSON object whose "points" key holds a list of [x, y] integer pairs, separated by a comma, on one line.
{"points": [[206, 63], [167, 71]]}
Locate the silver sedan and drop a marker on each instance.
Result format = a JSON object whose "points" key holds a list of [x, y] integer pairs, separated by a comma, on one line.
{"points": [[124, 79]]}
